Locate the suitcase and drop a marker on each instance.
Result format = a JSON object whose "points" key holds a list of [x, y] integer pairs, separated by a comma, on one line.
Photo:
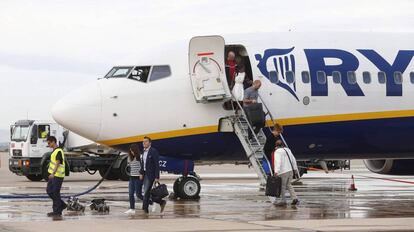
{"points": [[255, 114], [273, 186]]}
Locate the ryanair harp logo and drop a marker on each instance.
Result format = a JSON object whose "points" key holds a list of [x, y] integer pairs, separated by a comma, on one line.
{"points": [[275, 65]]}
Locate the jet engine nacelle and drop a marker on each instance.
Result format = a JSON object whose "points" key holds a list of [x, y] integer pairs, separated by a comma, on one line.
{"points": [[391, 166]]}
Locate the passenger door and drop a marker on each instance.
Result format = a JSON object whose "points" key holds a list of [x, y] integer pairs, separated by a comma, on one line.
{"points": [[207, 70]]}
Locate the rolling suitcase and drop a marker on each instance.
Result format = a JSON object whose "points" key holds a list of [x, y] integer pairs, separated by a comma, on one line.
{"points": [[273, 186]]}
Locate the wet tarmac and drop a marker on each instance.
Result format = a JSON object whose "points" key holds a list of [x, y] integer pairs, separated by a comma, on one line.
{"points": [[226, 198]]}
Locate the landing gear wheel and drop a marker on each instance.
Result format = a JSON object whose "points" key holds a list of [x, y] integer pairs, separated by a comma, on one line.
{"points": [[112, 175], [35, 177], [302, 169], [176, 187], [189, 188], [123, 171]]}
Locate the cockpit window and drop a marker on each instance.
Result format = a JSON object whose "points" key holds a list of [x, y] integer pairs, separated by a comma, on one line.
{"points": [[159, 72], [140, 73], [118, 72]]}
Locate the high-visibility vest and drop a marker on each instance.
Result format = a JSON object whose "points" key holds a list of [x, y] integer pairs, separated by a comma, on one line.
{"points": [[60, 172]]}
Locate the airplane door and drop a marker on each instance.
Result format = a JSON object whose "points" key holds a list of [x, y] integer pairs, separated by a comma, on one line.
{"points": [[207, 73]]}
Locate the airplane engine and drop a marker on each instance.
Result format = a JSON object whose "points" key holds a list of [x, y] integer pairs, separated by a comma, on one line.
{"points": [[391, 166]]}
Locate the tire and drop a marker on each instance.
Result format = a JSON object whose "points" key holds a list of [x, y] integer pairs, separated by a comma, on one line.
{"points": [[176, 187], [302, 171], [189, 188], [112, 175], [123, 172], [45, 173], [38, 177]]}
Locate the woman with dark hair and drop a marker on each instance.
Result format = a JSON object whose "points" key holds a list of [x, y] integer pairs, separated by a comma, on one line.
{"points": [[135, 184]]}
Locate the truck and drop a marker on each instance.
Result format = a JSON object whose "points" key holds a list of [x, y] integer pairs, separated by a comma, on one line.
{"points": [[29, 154]]}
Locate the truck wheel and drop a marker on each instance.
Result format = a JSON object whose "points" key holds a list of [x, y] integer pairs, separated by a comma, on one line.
{"points": [[123, 171], [35, 177], [189, 188], [45, 173], [112, 175]]}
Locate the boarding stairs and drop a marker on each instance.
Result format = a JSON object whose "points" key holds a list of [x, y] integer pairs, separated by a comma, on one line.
{"points": [[254, 146]]}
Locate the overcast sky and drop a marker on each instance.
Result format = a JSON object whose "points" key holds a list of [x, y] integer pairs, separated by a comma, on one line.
{"points": [[50, 47]]}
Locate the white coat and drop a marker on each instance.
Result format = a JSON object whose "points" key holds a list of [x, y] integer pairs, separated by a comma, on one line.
{"points": [[281, 161], [238, 88]]}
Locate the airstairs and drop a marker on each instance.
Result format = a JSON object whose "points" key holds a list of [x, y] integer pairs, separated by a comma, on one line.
{"points": [[254, 146]]}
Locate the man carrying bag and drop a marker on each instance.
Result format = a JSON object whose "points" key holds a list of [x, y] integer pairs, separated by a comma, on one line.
{"points": [[285, 167]]}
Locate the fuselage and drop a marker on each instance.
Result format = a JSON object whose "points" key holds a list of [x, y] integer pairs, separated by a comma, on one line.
{"points": [[351, 97]]}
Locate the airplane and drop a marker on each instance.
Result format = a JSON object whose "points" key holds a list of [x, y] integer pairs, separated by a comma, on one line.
{"points": [[339, 96]]}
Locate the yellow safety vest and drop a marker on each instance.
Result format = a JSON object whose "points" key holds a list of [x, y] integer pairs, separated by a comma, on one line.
{"points": [[60, 172]]}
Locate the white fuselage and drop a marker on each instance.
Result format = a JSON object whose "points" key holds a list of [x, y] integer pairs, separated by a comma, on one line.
{"points": [[317, 116]]}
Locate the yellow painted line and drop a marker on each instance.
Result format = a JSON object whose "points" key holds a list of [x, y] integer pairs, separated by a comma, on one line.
{"points": [[163, 135], [346, 117], [284, 122]]}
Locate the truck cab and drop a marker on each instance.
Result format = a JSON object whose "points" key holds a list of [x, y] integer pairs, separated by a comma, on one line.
{"points": [[28, 146]]}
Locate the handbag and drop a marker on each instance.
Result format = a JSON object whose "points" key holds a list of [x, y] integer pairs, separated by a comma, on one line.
{"points": [[295, 172], [273, 186], [159, 191]]}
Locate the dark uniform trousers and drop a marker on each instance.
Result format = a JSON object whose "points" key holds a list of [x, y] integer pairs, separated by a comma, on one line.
{"points": [[53, 190]]}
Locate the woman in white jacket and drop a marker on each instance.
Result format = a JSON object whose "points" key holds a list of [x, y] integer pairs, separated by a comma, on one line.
{"points": [[285, 165]]}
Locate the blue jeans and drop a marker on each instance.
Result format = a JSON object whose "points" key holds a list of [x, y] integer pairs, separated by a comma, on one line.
{"points": [[135, 187]]}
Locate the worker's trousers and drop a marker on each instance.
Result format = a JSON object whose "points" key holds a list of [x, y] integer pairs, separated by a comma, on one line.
{"points": [[53, 190]]}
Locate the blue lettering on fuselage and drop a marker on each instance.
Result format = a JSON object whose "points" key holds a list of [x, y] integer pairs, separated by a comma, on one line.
{"points": [[316, 61], [401, 63], [275, 61]]}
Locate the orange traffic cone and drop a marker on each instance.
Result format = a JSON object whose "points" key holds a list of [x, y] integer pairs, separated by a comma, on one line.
{"points": [[352, 187]]}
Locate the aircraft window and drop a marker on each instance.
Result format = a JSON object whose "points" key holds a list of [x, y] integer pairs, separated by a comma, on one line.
{"points": [[118, 72], [366, 77], [305, 77], [159, 72], [274, 77], [336, 77], [290, 77], [382, 77], [398, 78], [321, 77], [140, 73], [412, 77], [351, 77]]}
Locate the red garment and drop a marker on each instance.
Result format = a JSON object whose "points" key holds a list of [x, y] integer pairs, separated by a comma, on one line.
{"points": [[231, 64], [273, 160]]}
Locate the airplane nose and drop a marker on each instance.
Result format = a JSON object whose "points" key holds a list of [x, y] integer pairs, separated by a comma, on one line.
{"points": [[80, 111]]}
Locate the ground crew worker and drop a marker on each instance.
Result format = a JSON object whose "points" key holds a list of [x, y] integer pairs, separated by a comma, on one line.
{"points": [[56, 174]]}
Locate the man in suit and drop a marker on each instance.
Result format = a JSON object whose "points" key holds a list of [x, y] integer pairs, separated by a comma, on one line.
{"points": [[150, 173]]}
